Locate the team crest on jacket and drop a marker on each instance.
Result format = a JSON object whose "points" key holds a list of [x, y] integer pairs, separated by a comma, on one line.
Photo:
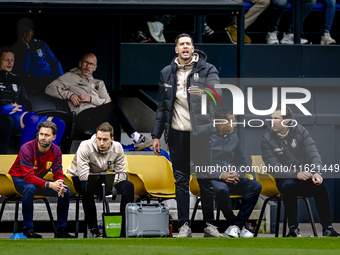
{"points": [[196, 76], [48, 165], [39, 52], [35, 165], [294, 143], [15, 87]]}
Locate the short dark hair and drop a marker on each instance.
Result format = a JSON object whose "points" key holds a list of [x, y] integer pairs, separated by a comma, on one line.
{"points": [[25, 22], [48, 124], [184, 35], [223, 113], [289, 113], [105, 127], [5, 49]]}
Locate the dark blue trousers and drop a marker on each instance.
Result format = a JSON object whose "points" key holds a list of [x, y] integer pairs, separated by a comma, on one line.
{"points": [[181, 144], [91, 118], [249, 189], [292, 188], [28, 190], [125, 188]]}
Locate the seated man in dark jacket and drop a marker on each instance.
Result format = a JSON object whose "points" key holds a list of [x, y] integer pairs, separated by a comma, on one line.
{"points": [[14, 105], [288, 146], [227, 154]]}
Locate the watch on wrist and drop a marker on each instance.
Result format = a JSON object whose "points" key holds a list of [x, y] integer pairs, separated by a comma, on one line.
{"points": [[47, 185]]}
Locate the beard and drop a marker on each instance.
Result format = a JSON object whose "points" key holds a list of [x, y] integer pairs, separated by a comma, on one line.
{"points": [[187, 58], [44, 145]]}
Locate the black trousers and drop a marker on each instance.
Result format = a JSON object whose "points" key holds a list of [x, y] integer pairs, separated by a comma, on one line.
{"points": [[90, 119], [125, 188], [292, 188], [182, 146]]}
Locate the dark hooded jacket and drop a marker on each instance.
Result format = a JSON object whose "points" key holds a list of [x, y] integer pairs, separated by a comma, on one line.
{"points": [[13, 91], [299, 152], [226, 152], [201, 124]]}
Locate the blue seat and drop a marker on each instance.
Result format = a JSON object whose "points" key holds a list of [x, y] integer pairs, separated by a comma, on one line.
{"points": [[247, 5], [319, 6]]}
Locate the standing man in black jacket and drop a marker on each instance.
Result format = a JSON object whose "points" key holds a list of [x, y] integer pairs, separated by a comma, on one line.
{"points": [[185, 129], [290, 148], [228, 179]]}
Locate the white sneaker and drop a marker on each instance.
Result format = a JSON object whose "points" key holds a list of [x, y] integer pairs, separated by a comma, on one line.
{"points": [[233, 231], [288, 38], [326, 39], [143, 142], [272, 38], [245, 233], [207, 30], [156, 30], [184, 231], [211, 231]]}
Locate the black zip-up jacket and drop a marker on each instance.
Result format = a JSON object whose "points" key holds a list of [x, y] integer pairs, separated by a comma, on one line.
{"points": [[299, 151], [12, 90], [201, 124], [226, 151]]}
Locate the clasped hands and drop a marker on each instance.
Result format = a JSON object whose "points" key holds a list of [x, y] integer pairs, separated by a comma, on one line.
{"points": [[316, 178], [59, 187], [17, 107], [230, 177]]}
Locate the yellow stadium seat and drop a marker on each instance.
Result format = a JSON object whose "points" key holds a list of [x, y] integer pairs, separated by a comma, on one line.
{"points": [[8, 190], [67, 161], [152, 177], [195, 190], [270, 190]]}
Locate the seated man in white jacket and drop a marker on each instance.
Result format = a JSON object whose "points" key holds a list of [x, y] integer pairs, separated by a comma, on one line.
{"points": [[99, 154], [88, 98]]}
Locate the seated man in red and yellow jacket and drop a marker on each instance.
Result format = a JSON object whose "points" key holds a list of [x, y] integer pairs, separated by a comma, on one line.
{"points": [[34, 160]]}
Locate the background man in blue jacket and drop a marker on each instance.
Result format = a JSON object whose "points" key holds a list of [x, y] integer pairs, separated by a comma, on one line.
{"points": [[36, 63], [286, 145], [227, 154], [185, 129]]}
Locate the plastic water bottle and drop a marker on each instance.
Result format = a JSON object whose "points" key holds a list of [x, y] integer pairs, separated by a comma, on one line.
{"points": [[100, 224], [170, 225], [250, 228]]}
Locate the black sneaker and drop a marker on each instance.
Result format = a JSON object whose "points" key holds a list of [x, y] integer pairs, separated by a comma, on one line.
{"points": [[96, 233], [29, 232], [62, 233], [140, 37], [293, 232], [330, 231]]}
